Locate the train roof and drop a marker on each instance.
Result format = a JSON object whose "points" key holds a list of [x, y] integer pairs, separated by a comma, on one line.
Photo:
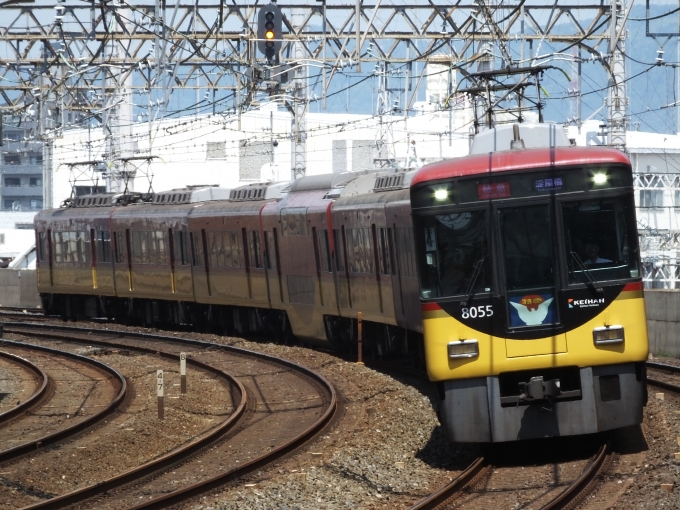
{"points": [[526, 159]]}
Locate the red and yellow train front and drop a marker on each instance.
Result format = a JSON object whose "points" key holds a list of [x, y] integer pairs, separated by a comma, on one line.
{"points": [[533, 312]]}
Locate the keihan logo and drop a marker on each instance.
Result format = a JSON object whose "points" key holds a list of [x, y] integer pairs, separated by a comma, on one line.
{"points": [[533, 309], [571, 302]]}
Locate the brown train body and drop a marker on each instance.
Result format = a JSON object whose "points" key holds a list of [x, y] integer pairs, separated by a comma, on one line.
{"points": [[300, 262]]}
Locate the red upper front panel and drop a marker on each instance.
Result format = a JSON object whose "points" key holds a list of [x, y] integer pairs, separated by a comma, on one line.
{"points": [[519, 160]]}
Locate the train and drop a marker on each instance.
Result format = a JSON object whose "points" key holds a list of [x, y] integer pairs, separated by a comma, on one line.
{"points": [[512, 275]]}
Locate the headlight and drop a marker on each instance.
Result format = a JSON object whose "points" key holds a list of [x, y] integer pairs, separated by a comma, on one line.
{"points": [[463, 349], [608, 335]]}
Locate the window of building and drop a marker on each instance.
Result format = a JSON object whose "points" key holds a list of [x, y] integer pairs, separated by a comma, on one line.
{"points": [[651, 198], [36, 204], [35, 181], [12, 182], [36, 158], [12, 159]]}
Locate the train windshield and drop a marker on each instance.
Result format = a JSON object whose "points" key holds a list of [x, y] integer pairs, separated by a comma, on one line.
{"points": [[600, 239], [456, 260], [595, 242]]}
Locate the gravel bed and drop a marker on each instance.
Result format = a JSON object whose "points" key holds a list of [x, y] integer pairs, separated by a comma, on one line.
{"points": [[126, 439], [661, 428], [389, 450], [16, 384]]}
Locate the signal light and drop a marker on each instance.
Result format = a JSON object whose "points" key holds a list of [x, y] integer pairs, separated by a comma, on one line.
{"points": [[269, 33]]}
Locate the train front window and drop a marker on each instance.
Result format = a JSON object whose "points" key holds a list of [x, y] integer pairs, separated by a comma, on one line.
{"points": [[454, 254], [529, 265], [600, 239]]}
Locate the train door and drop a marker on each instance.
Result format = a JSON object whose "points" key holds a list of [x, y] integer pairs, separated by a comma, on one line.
{"points": [[206, 263], [386, 269], [247, 262], [529, 276], [340, 265], [93, 258], [171, 259], [399, 311], [44, 258], [128, 252], [273, 267]]}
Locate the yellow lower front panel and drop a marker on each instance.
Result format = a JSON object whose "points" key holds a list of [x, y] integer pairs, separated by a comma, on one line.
{"points": [[575, 348]]}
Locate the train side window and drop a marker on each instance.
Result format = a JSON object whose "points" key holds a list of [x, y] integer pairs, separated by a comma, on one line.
{"points": [[339, 251], [151, 248], [58, 247], [255, 249], [324, 251], [70, 253], [228, 244], [82, 247], [235, 249], [213, 250], [103, 246], [181, 248], [359, 250], [403, 251], [196, 249], [119, 247], [384, 251], [161, 247], [294, 221]]}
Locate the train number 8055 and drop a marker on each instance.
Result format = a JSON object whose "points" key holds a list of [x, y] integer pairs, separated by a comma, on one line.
{"points": [[476, 312]]}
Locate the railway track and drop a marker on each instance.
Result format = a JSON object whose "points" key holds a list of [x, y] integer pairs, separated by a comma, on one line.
{"points": [[262, 429], [79, 385], [664, 369], [11, 364], [481, 486]]}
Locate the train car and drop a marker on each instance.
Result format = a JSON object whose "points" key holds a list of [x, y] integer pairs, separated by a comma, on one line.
{"points": [[266, 257], [75, 260], [533, 312]]}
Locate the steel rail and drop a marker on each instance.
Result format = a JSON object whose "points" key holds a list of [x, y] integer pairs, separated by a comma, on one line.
{"points": [[580, 486], [81, 425], [160, 462], [192, 490], [663, 366], [456, 485], [662, 384], [39, 392]]}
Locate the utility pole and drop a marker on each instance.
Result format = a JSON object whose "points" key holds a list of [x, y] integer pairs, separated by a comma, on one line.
{"points": [[383, 140], [617, 100], [300, 105]]}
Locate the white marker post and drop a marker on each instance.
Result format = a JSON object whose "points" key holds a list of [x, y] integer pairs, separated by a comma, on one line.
{"points": [[159, 393], [183, 372]]}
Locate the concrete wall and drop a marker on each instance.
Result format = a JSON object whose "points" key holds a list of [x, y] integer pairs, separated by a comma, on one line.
{"points": [[663, 321], [19, 287]]}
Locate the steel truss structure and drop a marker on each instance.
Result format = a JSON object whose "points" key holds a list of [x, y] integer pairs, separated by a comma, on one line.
{"points": [[98, 57], [658, 229], [173, 45]]}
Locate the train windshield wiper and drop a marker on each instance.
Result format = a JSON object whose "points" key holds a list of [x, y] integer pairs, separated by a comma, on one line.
{"points": [[470, 291], [591, 281]]}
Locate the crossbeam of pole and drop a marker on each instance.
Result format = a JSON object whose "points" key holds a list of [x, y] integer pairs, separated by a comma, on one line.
{"points": [[211, 41]]}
